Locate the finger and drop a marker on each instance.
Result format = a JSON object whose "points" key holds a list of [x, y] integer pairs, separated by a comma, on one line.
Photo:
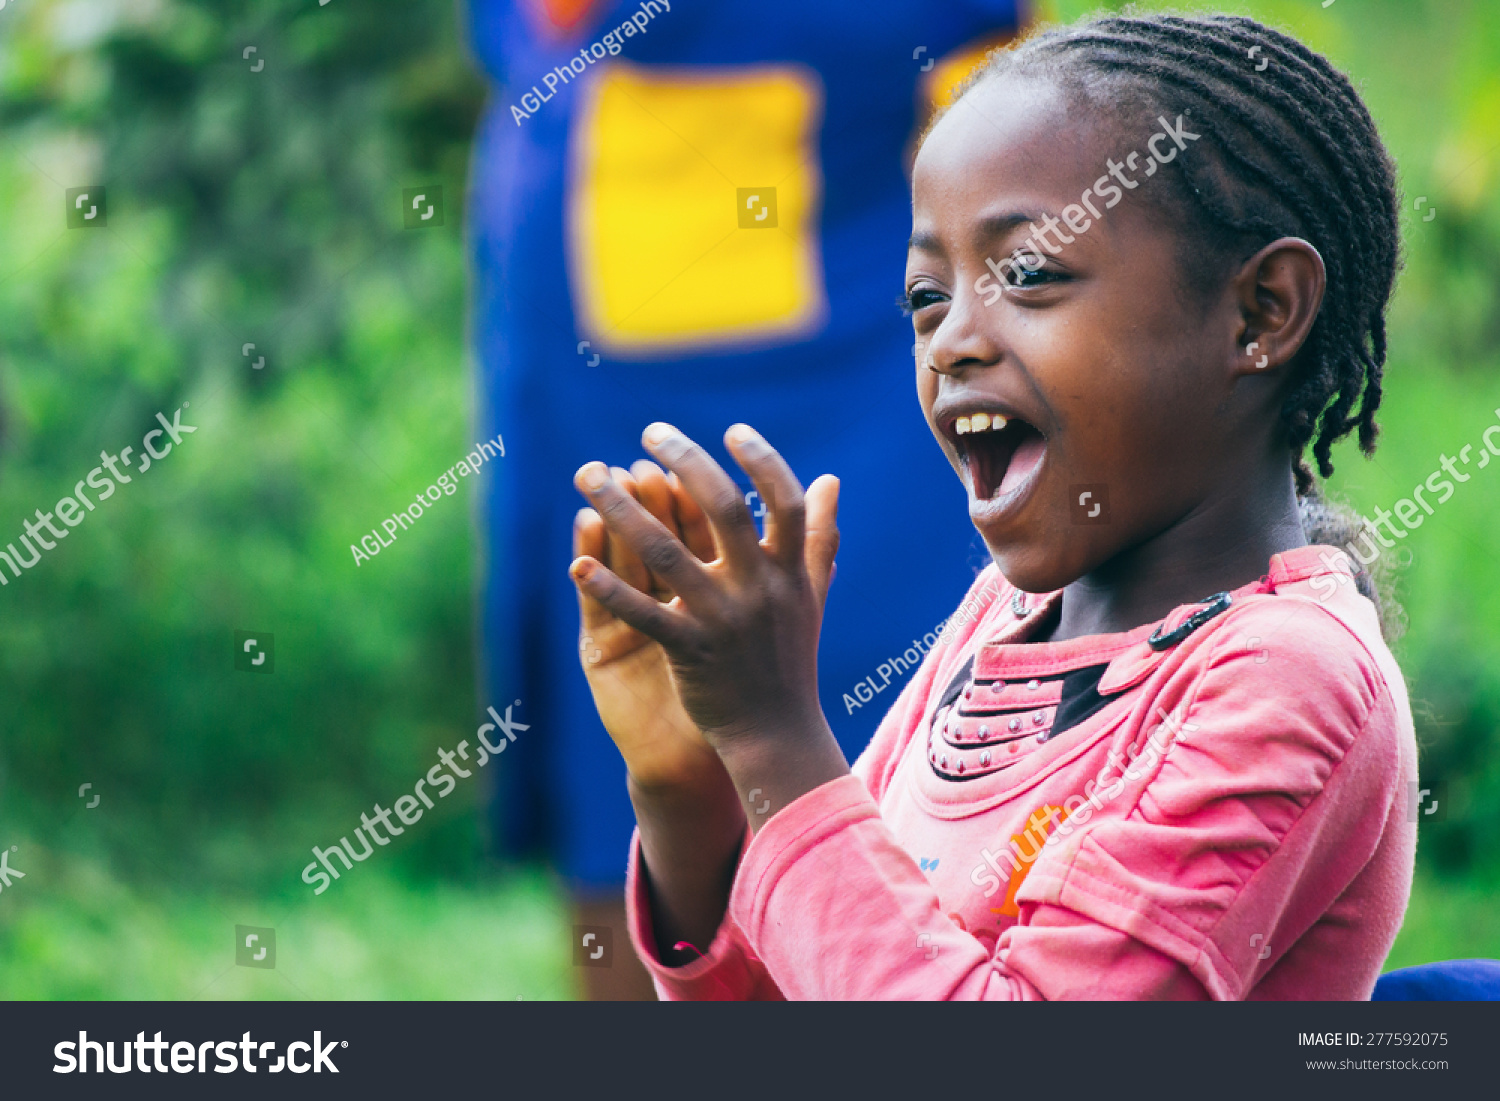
{"points": [[658, 549], [591, 540], [652, 491], [640, 610], [822, 542], [785, 506], [590, 537], [713, 490], [622, 560], [696, 532]]}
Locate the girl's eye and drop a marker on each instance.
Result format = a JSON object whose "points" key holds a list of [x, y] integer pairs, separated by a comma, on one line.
{"points": [[919, 298], [1033, 277]]}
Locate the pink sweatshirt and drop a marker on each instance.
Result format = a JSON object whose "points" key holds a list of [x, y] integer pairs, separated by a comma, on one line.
{"points": [[1231, 821]]}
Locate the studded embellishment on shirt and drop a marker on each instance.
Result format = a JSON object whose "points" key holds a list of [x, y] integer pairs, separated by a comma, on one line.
{"points": [[990, 725]]}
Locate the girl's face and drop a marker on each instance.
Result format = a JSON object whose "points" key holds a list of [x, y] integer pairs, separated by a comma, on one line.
{"points": [[1117, 423]]}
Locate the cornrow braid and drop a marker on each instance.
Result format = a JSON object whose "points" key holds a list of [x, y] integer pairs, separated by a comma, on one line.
{"points": [[1288, 149]]}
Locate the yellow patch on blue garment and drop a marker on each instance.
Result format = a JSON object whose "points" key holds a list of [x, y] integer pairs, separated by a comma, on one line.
{"points": [[693, 208]]}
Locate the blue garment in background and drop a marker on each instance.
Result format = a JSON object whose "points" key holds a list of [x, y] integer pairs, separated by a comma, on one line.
{"points": [[1450, 981], [839, 399]]}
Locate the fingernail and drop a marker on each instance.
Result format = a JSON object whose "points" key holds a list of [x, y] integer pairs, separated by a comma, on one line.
{"points": [[658, 434], [593, 476], [743, 434]]}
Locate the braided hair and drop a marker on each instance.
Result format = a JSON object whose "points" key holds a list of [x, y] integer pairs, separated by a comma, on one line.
{"points": [[1288, 149]]}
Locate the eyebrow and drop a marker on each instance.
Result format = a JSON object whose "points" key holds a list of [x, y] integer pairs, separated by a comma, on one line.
{"points": [[997, 225], [927, 242], [990, 227]]}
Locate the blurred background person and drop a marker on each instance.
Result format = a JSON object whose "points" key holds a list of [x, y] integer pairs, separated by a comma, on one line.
{"points": [[695, 213]]}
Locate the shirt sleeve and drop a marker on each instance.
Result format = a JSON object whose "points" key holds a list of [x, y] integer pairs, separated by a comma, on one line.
{"points": [[726, 970], [1270, 797], [729, 968]]}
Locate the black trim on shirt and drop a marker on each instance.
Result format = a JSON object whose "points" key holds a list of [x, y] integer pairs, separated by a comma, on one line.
{"points": [[1080, 698]]}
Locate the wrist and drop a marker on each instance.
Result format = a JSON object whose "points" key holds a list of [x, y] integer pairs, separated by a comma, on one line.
{"points": [[772, 768], [677, 776], [781, 738], [785, 728]]}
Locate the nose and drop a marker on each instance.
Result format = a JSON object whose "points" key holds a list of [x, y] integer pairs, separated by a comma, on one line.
{"points": [[966, 338]]}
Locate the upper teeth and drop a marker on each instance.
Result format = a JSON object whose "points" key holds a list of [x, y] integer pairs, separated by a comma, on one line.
{"points": [[979, 422]]}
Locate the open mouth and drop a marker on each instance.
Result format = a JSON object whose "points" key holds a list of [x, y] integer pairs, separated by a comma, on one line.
{"points": [[998, 453]]}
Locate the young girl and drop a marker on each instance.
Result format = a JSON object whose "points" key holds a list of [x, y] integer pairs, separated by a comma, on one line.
{"points": [[1171, 756]]}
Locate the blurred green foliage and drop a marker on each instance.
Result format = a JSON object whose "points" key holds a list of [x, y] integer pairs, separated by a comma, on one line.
{"points": [[263, 206], [244, 206]]}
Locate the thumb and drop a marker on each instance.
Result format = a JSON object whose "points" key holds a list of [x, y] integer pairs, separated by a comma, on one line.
{"points": [[821, 542]]}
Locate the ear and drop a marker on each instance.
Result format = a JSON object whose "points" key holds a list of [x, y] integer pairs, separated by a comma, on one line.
{"points": [[1278, 292]]}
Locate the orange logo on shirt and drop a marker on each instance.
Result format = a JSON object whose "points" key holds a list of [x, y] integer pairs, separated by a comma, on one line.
{"points": [[1037, 826]]}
